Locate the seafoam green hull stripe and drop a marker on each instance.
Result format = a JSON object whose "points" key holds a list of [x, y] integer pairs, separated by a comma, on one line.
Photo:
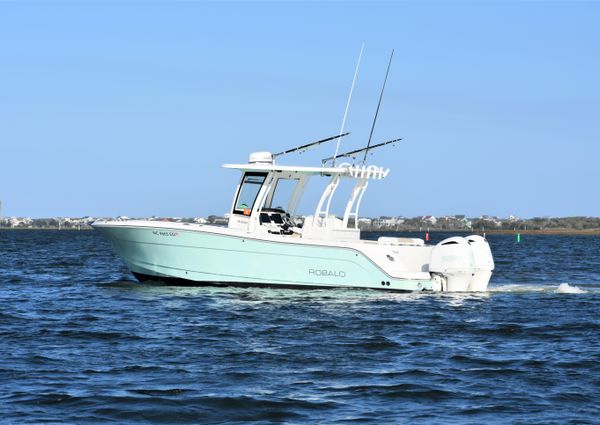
{"points": [[211, 257]]}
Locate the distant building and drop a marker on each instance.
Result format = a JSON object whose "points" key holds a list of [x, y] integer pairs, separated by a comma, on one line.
{"points": [[19, 222], [386, 221], [430, 219]]}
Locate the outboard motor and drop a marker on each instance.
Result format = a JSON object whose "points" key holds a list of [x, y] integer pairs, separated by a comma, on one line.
{"points": [[465, 263], [453, 259], [483, 262]]}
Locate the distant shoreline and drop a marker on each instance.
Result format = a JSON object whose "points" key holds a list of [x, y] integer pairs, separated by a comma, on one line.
{"points": [[460, 224], [70, 229], [563, 232], [524, 232]]}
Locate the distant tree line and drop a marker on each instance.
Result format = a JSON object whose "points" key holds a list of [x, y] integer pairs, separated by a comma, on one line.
{"points": [[454, 223], [536, 223]]}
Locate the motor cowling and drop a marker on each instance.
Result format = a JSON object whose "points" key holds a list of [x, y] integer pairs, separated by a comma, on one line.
{"points": [[483, 262], [453, 259], [465, 263]]}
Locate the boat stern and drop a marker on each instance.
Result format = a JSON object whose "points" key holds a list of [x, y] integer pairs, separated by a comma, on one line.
{"points": [[464, 264]]}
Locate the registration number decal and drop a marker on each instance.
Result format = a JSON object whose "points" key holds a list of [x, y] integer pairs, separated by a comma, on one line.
{"points": [[164, 233]]}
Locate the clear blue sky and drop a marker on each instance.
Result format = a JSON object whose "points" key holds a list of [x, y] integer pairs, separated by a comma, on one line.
{"points": [[115, 108]]}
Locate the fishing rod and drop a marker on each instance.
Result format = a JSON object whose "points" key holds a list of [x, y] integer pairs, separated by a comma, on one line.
{"points": [[310, 145], [354, 153], [378, 105], [337, 147]]}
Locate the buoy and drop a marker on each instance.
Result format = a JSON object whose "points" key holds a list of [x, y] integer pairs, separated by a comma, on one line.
{"points": [[518, 238], [427, 236]]}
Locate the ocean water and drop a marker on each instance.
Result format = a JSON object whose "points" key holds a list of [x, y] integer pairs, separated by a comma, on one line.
{"points": [[82, 342]]}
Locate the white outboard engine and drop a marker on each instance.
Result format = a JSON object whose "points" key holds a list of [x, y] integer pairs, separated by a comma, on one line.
{"points": [[483, 261], [465, 263]]}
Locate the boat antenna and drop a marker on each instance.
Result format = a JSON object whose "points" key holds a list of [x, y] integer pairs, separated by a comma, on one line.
{"points": [[337, 147], [310, 145], [354, 153], [378, 105]]}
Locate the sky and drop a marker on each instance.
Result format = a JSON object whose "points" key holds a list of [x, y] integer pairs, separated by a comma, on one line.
{"points": [[131, 108]]}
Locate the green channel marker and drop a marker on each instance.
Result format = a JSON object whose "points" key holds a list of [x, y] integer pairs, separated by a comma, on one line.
{"points": [[518, 238]]}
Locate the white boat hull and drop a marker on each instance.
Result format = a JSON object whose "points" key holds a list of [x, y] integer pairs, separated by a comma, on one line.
{"points": [[211, 255]]}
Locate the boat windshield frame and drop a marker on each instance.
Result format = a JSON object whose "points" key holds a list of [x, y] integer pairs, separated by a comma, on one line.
{"points": [[249, 208]]}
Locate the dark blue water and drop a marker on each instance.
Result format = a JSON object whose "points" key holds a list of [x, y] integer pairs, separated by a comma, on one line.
{"points": [[81, 342]]}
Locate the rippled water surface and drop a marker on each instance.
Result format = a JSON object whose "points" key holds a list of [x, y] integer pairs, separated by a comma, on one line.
{"points": [[81, 342]]}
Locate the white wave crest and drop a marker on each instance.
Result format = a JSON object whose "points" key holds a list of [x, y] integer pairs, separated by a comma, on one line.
{"points": [[565, 288], [514, 287]]}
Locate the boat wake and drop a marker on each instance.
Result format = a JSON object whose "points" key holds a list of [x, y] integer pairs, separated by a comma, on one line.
{"points": [[563, 288]]}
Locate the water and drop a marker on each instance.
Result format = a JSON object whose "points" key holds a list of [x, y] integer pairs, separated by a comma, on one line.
{"points": [[81, 342]]}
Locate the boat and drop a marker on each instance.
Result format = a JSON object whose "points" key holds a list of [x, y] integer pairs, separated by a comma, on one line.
{"points": [[265, 244]]}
